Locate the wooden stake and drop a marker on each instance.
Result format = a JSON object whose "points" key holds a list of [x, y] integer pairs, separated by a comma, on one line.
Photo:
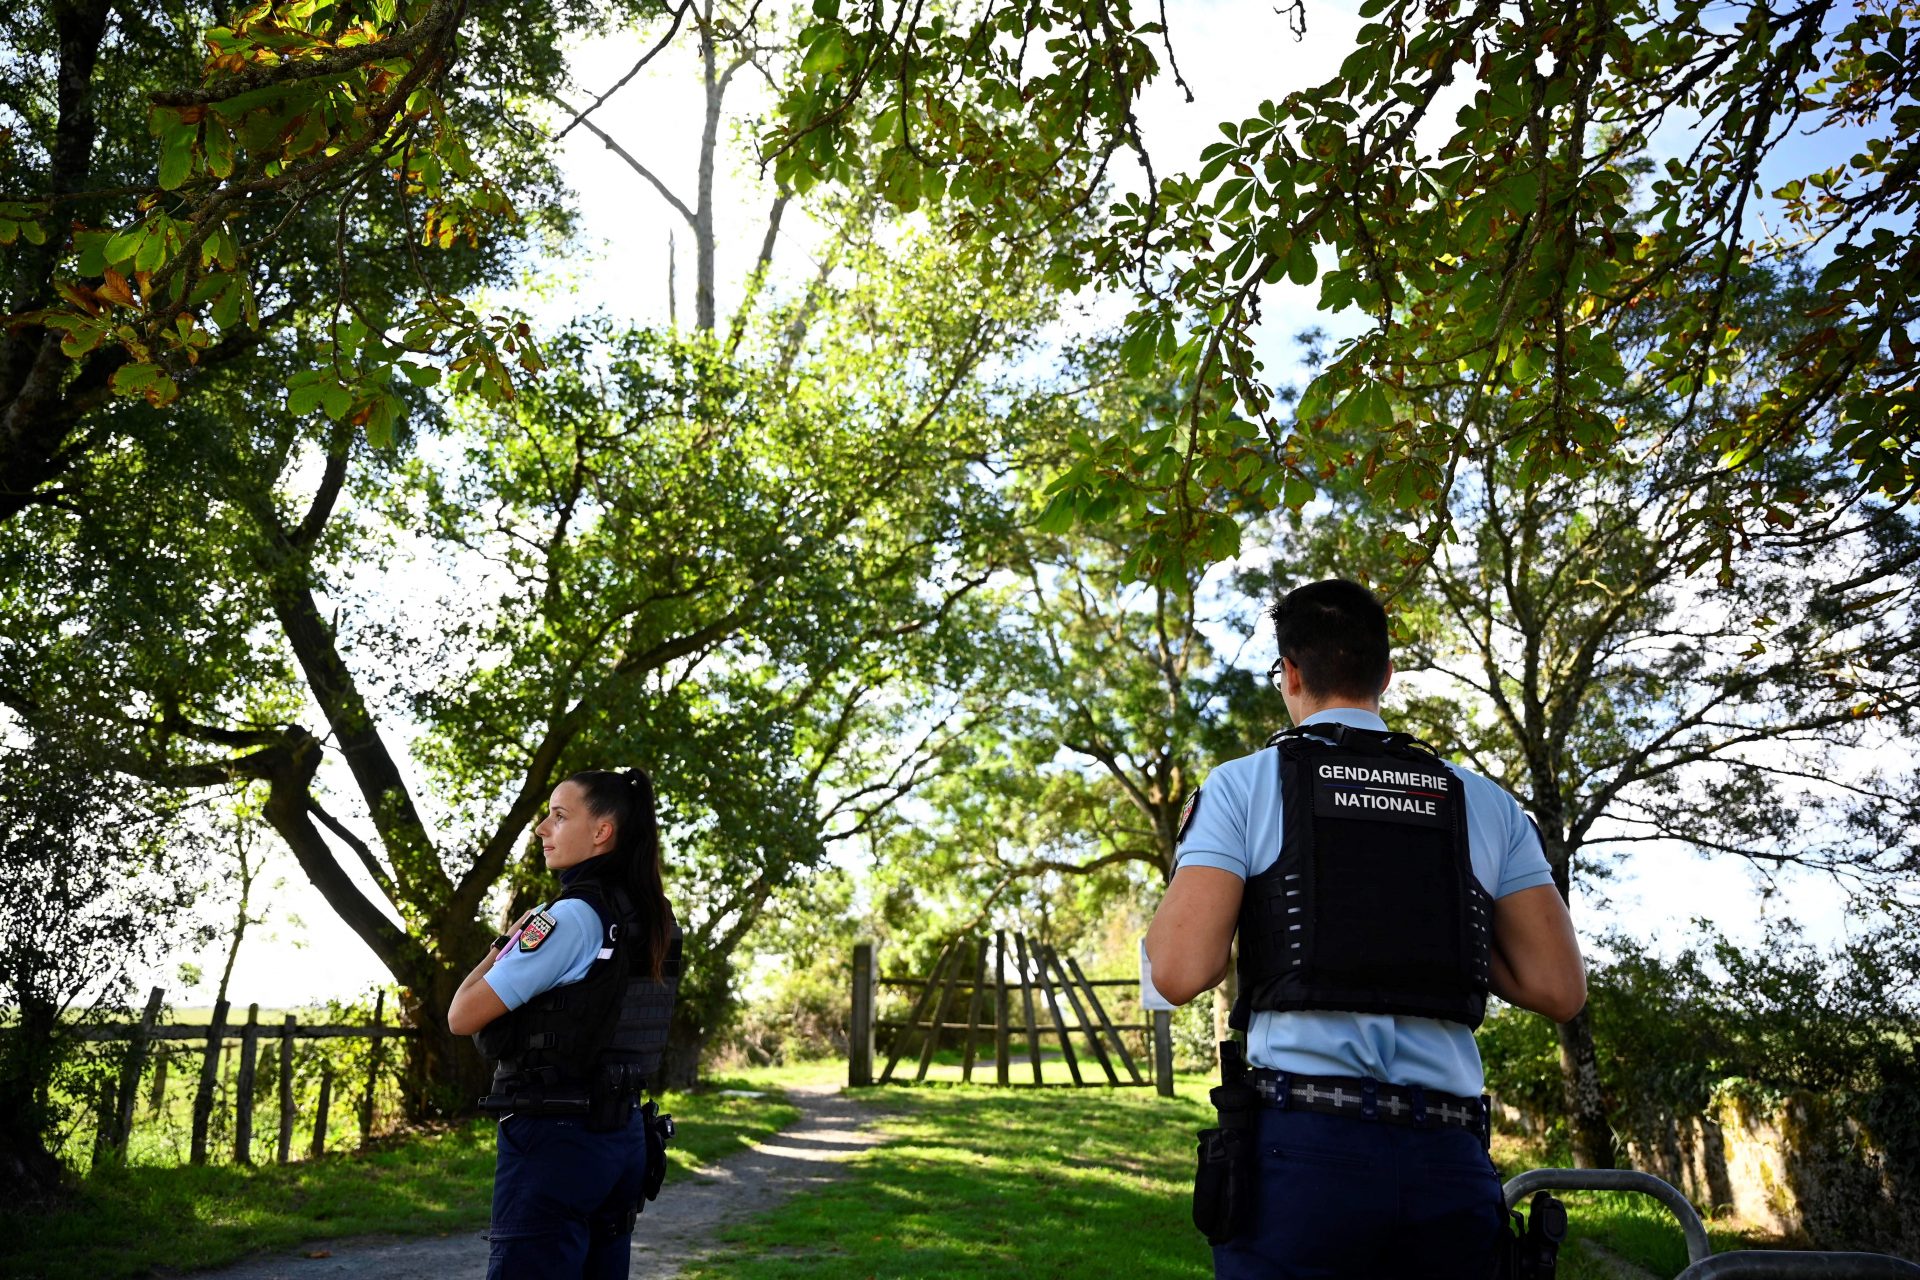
{"points": [[902, 1034], [320, 1113], [373, 1070], [243, 1102], [1100, 1012], [1091, 1032], [285, 1146], [1002, 1033], [157, 1091], [974, 1001], [129, 1091], [932, 1041], [1026, 996], [203, 1099], [860, 1040], [1163, 1052]]}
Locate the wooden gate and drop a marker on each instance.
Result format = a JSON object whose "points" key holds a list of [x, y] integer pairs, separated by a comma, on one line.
{"points": [[991, 1003]]}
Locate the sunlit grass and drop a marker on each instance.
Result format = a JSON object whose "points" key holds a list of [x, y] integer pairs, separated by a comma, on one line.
{"points": [[128, 1221]]}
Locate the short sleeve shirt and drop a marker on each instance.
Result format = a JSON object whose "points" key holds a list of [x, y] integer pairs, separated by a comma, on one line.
{"points": [[1235, 826], [563, 956]]}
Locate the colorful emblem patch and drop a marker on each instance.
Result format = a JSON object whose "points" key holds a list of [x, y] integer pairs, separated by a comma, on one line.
{"points": [[1191, 807], [536, 931]]}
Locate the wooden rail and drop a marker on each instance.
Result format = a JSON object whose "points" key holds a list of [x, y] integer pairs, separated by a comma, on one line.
{"points": [[117, 1107], [959, 986]]}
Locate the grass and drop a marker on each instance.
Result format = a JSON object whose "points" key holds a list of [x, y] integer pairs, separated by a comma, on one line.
{"points": [[129, 1221], [1636, 1228], [971, 1181], [975, 1182], [980, 1181]]}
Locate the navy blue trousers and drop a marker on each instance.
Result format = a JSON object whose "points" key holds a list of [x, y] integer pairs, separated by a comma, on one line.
{"points": [[1341, 1198], [561, 1196]]}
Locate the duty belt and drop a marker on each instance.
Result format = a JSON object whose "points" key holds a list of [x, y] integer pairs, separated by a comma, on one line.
{"points": [[1364, 1099]]}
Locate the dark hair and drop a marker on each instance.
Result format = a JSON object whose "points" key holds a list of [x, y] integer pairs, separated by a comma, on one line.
{"points": [[1335, 631], [626, 799]]}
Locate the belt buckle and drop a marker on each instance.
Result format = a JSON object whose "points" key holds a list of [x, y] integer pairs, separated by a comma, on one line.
{"points": [[1419, 1099], [1370, 1098], [1282, 1091]]}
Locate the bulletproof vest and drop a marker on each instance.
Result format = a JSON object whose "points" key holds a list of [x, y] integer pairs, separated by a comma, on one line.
{"points": [[1372, 905], [604, 1034]]}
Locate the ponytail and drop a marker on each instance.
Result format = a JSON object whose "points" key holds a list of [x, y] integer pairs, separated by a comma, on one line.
{"points": [[627, 799]]}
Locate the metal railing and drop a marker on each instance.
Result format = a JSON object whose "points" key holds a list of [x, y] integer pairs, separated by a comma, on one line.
{"points": [[1702, 1263]]}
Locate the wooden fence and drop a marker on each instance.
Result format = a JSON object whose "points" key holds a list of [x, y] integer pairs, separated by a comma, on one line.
{"points": [[1035, 969], [118, 1102]]}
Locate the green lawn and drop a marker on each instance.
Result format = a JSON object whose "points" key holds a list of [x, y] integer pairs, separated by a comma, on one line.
{"points": [[971, 1181], [977, 1181], [127, 1221]]}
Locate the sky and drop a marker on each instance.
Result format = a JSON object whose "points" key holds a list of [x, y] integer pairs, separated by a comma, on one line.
{"points": [[1233, 55]]}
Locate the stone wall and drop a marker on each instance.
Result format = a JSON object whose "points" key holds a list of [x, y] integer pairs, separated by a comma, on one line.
{"points": [[1801, 1168]]}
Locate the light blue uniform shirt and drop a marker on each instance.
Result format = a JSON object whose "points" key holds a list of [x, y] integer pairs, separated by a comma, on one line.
{"points": [[564, 956], [1236, 827]]}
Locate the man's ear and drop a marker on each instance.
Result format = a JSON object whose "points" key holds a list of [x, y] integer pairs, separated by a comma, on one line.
{"points": [[1389, 679]]}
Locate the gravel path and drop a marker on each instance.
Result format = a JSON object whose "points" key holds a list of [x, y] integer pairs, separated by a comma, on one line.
{"points": [[675, 1229]]}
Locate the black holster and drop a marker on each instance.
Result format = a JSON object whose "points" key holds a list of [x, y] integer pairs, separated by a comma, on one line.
{"points": [[1531, 1248], [659, 1133], [1229, 1154], [612, 1098]]}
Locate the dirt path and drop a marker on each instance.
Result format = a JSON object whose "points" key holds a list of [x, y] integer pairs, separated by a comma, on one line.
{"points": [[675, 1229]]}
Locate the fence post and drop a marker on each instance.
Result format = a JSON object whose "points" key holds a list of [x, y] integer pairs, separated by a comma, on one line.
{"points": [[974, 1000], [105, 1116], [1163, 1052], [136, 1063], [203, 1100], [286, 1090], [1002, 1033], [860, 1039], [373, 1070], [157, 1091], [1026, 998], [931, 1044], [320, 1113], [243, 1101]]}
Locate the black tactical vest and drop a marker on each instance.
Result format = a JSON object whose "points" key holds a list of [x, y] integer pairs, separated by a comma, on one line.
{"points": [[1372, 905], [591, 1041]]}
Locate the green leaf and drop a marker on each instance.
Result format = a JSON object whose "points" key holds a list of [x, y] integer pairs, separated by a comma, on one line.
{"points": [[1301, 268], [176, 155], [122, 246], [1059, 513], [336, 400], [827, 52], [303, 394]]}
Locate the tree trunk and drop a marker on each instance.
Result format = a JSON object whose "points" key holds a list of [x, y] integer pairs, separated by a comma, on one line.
{"points": [[444, 1074], [1585, 1101], [30, 1175], [1586, 1104]]}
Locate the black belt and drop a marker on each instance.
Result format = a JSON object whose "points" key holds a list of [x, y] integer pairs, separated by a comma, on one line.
{"points": [[1363, 1099]]}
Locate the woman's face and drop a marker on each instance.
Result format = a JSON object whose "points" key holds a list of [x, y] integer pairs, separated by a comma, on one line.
{"points": [[570, 834]]}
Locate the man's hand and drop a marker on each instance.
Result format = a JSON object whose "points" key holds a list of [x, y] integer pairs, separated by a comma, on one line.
{"points": [[1190, 941]]}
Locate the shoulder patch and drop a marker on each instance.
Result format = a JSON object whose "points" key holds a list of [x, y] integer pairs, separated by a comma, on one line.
{"points": [[1191, 807], [537, 931]]}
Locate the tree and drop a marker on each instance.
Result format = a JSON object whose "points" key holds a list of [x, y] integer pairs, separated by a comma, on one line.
{"points": [[96, 878], [1501, 258], [1109, 698], [278, 238], [1590, 644]]}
